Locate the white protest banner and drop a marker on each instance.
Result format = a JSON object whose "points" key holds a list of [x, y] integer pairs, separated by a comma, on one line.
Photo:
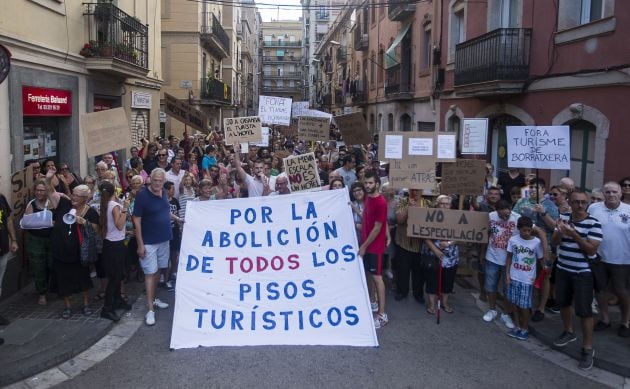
{"points": [[105, 131], [316, 129], [265, 138], [279, 270], [539, 147], [243, 129], [275, 110], [474, 136], [302, 172], [318, 114], [298, 108], [448, 224]]}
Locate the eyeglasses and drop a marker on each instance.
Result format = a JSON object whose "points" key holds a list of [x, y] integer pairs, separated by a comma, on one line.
{"points": [[555, 194], [579, 202], [625, 185]]}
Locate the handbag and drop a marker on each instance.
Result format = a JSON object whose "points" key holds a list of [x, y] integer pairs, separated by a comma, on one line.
{"points": [[37, 220], [87, 243]]}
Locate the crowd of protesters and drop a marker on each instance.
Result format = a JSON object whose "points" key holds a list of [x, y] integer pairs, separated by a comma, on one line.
{"points": [[573, 248]]}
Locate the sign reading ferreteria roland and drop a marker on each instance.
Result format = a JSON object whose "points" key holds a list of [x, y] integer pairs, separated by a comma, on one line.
{"points": [[314, 129], [185, 113], [465, 176], [448, 224], [539, 147], [243, 129], [302, 173]]}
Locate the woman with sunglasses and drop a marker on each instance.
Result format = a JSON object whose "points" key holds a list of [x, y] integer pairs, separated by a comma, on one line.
{"points": [[68, 177], [625, 189], [162, 160]]}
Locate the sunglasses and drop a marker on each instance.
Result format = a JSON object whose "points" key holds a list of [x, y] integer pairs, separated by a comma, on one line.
{"points": [[625, 185], [162, 155]]}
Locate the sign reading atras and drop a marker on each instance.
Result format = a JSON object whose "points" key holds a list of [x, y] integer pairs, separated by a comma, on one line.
{"points": [[185, 113]]}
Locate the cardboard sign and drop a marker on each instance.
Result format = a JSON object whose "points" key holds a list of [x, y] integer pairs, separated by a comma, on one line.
{"points": [[265, 138], [298, 108], [412, 174], [21, 191], [105, 131], [314, 129], [274, 110], [279, 270], [185, 113], [448, 224], [465, 177], [353, 129], [302, 172], [474, 136], [243, 129], [411, 146], [539, 147]]}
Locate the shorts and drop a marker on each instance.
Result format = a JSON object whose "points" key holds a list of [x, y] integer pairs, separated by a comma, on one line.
{"points": [[618, 276], [576, 288], [493, 273], [373, 263], [520, 294], [156, 257]]}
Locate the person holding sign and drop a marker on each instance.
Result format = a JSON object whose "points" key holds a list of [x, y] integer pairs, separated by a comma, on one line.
{"points": [[375, 239], [258, 185]]}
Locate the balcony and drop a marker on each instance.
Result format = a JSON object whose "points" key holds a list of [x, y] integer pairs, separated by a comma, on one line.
{"points": [[361, 39], [400, 82], [494, 63], [399, 10], [213, 36], [319, 15], [284, 58], [342, 55], [283, 75], [282, 43], [282, 88], [358, 91], [215, 92], [118, 42]]}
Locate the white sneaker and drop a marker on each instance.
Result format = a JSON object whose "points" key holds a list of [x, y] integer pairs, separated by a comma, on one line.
{"points": [[149, 319], [490, 315], [594, 307], [160, 304], [388, 273], [507, 320], [380, 321], [374, 307]]}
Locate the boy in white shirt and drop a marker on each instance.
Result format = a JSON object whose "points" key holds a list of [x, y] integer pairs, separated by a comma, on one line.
{"points": [[522, 253]]}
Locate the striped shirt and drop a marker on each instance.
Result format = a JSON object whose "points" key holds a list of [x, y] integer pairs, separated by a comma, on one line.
{"points": [[570, 256]]}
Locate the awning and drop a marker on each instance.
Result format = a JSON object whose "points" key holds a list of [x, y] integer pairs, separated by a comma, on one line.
{"points": [[391, 59]]}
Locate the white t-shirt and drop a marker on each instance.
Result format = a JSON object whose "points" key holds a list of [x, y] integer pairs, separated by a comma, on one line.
{"points": [[500, 231], [254, 187], [113, 233], [615, 247], [175, 179], [525, 253]]}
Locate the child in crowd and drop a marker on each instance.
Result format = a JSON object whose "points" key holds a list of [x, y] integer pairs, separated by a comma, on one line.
{"points": [[523, 251]]}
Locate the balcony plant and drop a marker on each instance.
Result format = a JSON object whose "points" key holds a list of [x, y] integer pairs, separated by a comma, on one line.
{"points": [[126, 51], [90, 49], [105, 49], [103, 12]]}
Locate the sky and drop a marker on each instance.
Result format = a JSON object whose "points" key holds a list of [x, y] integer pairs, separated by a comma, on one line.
{"points": [[270, 11]]}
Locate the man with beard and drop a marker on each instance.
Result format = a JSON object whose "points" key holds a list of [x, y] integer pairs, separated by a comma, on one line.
{"points": [[258, 184]]}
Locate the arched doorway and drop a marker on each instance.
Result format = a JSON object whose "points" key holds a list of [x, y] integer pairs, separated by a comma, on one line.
{"points": [[405, 122], [390, 122]]}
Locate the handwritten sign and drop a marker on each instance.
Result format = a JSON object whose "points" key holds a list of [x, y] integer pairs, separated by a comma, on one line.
{"points": [[314, 129], [299, 108], [353, 128], [465, 176], [412, 174], [274, 110], [279, 270], [539, 147], [448, 224], [302, 172], [243, 129], [185, 113], [474, 135], [265, 138], [21, 191], [105, 131]]}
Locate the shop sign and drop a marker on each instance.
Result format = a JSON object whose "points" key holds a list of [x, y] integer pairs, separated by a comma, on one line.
{"points": [[46, 102], [140, 100]]}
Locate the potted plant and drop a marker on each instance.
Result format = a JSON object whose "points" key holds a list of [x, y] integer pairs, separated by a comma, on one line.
{"points": [[90, 49], [103, 11], [106, 49]]}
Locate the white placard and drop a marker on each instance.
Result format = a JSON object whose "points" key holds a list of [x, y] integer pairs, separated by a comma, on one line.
{"points": [[420, 146], [539, 147], [393, 146], [446, 145], [316, 113], [265, 137], [140, 100], [298, 108], [275, 110], [474, 135], [279, 270]]}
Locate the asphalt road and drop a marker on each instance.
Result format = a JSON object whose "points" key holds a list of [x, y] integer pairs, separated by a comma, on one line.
{"points": [[462, 352]]}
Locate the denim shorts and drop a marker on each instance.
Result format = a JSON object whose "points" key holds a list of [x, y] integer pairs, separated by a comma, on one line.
{"points": [[494, 273], [520, 294], [156, 257]]}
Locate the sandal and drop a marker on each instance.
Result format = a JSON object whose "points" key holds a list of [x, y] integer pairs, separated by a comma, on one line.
{"points": [[66, 314], [99, 296], [431, 311], [124, 297], [448, 309]]}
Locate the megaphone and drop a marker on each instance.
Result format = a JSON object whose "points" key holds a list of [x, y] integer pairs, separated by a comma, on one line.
{"points": [[70, 217]]}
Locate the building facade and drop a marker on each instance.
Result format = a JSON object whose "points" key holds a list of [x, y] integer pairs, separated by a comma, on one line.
{"points": [[282, 59]]}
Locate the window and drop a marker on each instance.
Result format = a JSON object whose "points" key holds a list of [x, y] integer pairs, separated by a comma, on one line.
{"points": [[572, 13], [372, 122], [372, 69], [591, 10], [425, 127], [405, 122], [380, 122], [380, 68], [390, 122], [457, 28], [425, 60], [582, 154]]}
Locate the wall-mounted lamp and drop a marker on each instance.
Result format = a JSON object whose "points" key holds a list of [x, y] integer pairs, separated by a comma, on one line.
{"points": [[335, 43]]}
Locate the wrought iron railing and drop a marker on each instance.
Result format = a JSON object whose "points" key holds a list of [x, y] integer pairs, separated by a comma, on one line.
{"points": [[400, 9], [283, 88], [361, 39], [499, 55], [282, 43], [211, 26], [294, 75], [217, 90], [399, 81], [282, 58], [115, 34], [358, 91]]}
